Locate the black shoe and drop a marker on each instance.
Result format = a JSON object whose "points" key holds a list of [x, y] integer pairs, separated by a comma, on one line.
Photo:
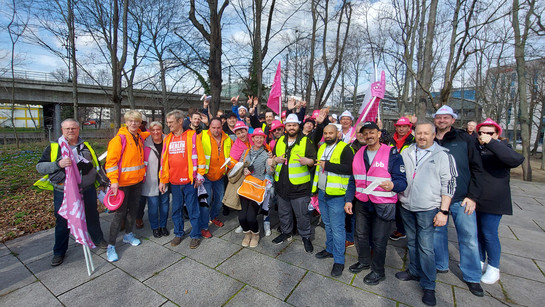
{"points": [[281, 238], [406, 276], [358, 267], [308, 245], [226, 211], [475, 288], [57, 260], [337, 269], [429, 297], [157, 233], [324, 254], [164, 232], [373, 278], [442, 271]]}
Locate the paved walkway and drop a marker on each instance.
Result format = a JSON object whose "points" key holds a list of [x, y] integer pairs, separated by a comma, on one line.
{"points": [[221, 272]]}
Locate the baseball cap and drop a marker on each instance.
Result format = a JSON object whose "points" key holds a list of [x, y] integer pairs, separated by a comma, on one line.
{"points": [[369, 125]]}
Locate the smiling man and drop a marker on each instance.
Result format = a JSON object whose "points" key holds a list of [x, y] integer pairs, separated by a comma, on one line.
{"points": [[375, 209]]}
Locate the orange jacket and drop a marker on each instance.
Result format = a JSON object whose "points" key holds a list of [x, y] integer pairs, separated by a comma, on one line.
{"points": [[132, 161], [193, 160]]}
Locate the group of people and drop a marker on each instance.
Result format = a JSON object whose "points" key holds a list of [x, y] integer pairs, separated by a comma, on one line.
{"points": [[359, 178]]}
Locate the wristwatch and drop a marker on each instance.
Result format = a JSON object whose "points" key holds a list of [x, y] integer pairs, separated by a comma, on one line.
{"points": [[445, 212]]}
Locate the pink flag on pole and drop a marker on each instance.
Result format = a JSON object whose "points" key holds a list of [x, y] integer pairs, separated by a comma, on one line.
{"points": [[72, 208], [276, 92]]}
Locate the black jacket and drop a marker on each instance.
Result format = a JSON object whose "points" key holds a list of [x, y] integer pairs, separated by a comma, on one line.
{"points": [[468, 163], [498, 158]]}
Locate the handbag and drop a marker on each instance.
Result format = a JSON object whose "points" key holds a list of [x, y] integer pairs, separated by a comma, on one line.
{"points": [[253, 189]]}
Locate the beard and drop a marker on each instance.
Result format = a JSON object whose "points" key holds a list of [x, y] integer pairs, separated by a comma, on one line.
{"points": [[292, 133], [329, 142]]}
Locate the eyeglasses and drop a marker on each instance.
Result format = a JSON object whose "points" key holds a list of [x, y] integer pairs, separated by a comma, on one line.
{"points": [[489, 133]]}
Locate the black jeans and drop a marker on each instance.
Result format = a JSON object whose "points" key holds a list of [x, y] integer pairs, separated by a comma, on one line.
{"points": [[367, 222], [247, 217], [127, 210], [62, 232]]}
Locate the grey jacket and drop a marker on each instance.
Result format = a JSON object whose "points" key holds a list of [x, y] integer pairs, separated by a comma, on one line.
{"points": [[46, 167], [151, 184], [261, 169], [434, 177]]}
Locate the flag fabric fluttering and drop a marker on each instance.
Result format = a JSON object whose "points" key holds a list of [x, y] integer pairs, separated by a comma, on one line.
{"points": [[276, 92], [72, 208], [370, 106]]}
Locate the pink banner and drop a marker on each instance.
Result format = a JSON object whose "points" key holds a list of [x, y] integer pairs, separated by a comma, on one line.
{"points": [[276, 92]]}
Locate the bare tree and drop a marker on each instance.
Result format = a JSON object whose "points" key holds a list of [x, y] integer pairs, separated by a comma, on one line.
{"points": [[209, 27]]}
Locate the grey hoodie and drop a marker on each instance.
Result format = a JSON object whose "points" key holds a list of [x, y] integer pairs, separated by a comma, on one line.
{"points": [[435, 176]]}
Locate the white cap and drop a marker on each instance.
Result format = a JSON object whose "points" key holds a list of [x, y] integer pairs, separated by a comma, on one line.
{"points": [[347, 114], [242, 107], [445, 110], [144, 119], [335, 116], [339, 127], [292, 118]]}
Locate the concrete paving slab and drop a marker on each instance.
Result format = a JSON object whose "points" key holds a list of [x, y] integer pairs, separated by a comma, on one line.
{"points": [[527, 201], [528, 249], [504, 231], [35, 246], [522, 234], [4, 250], [309, 293], [464, 298], [169, 304], [453, 277], [114, 288], [295, 254], [406, 292], [145, 260], [34, 294], [14, 274], [523, 219], [185, 282], [250, 296], [395, 257], [263, 272], [517, 290], [520, 266], [211, 252], [265, 243], [71, 273]]}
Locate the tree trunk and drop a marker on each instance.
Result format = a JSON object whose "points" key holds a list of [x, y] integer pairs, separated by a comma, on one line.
{"points": [[520, 48]]}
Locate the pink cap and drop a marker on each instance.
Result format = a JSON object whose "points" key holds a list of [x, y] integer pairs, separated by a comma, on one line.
{"points": [[284, 113], [258, 131], [113, 202], [240, 125], [276, 124], [490, 122], [315, 114], [403, 121]]}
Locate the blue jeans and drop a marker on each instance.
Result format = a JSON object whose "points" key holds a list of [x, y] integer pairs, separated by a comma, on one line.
{"points": [[215, 190], [333, 216], [419, 229], [187, 194], [489, 241], [158, 210], [466, 229], [62, 232]]}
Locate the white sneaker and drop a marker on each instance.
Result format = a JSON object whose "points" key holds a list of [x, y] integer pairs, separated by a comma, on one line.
{"points": [[239, 229], [491, 276], [483, 267], [267, 228]]}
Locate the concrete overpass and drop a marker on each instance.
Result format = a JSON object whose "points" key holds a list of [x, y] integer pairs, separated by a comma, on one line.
{"points": [[38, 92]]}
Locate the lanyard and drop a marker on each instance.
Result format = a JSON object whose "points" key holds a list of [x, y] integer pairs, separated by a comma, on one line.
{"points": [[418, 160]]}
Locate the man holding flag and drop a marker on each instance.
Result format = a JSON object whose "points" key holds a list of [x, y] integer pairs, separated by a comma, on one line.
{"points": [[71, 166]]}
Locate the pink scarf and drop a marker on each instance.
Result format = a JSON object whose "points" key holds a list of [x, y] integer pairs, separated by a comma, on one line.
{"points": [[72, 208], [238, 148]]}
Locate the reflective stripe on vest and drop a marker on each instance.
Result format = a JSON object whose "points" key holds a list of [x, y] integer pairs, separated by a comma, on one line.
{"points": [[297, 173], [378, 171], [335, 184], [207, 148]]}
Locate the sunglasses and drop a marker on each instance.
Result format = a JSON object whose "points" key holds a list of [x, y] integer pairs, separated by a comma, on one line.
{"points": [[489, 133]]}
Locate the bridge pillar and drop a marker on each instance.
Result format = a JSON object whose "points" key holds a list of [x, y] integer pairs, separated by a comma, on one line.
{"points": [[57, 122]]}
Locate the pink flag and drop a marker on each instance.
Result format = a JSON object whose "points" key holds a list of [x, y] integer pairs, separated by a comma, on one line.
{"points": [[72, 208], [276, 92], [369, 108]]}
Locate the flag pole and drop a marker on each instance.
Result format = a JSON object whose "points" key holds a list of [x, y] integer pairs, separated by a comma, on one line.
{"points": [[88, 259]]}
